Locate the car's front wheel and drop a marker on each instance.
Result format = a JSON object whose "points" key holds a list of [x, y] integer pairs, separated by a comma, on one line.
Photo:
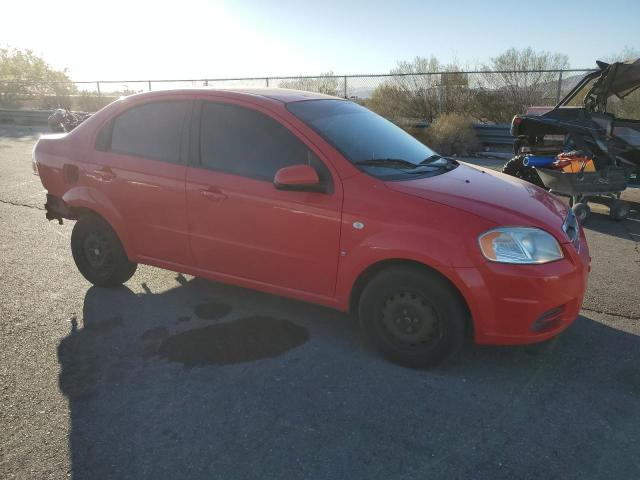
{"points": [[98, 253], [412, 316]]}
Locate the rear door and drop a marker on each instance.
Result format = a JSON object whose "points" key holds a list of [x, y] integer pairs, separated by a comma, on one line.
{"points": [[141, 167], [240, 224]]}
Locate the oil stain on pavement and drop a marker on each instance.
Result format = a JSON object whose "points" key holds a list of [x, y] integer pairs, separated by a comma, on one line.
{"points": [[243, 340]]}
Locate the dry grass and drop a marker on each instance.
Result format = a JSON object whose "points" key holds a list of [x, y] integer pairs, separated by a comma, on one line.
{"points": [[452, 134]]}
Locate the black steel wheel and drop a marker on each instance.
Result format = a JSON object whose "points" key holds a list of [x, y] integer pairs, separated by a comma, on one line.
{"points": [[410, 320], [98, 253], [413, 316], [619, 210]]}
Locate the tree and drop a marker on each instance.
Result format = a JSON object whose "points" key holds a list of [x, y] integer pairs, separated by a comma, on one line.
{"points": [[24, 75], [326, 83], [417, 80], [520, 79], [428, 88], [625, 55], [390, 101]]}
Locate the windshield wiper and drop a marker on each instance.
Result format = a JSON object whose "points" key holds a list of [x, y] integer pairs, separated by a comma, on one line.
{"points": [[430, 159], [387, 162], [449, 165]]}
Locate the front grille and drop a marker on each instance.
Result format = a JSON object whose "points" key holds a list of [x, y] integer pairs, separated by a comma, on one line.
{"points": [[571, 228]]}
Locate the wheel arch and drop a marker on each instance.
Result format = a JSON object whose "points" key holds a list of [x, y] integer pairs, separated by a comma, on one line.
{"points": [[375, 268], [84, 201]]}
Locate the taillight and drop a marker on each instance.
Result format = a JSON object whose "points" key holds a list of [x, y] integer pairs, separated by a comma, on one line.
{"points": [[515, 123], [34, 163]]}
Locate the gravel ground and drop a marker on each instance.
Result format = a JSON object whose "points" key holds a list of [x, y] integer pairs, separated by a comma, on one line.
{"points": [[177, 377]]}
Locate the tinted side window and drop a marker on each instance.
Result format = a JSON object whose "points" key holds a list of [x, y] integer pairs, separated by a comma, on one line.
{"points": [[246, 142], [153, 130]]}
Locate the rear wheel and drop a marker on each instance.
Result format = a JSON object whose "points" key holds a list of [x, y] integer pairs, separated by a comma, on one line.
{"points": [[98, 253], [412, 316]]}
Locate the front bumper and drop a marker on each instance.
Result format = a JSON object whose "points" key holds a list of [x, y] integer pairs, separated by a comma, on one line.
{"points": [[519, 304]]}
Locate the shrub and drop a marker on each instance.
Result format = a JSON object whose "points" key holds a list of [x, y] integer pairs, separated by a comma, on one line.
{"points": [[90, 102], [389, 101], [452, 133]]}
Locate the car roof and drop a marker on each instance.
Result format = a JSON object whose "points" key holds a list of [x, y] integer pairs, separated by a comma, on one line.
{"points": [[283, 95]]}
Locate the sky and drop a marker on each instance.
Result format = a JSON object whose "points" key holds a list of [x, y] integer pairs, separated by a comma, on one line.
{"points": [[128, 40]]}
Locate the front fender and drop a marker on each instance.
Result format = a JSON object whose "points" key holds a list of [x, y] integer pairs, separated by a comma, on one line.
{"points": [[91, 199], [433, 251]]}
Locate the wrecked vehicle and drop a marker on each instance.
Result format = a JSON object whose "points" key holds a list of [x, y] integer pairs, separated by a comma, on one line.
{"points": [[63, 120], [584, 148]]}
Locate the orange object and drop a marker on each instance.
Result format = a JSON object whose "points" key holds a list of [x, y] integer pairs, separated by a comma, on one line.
{"points": [[572, 163]]}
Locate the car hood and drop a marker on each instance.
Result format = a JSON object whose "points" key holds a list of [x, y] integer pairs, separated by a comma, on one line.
{"points": [[494, 196]]}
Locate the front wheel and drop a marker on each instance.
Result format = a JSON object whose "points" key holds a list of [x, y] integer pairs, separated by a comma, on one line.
{"points": [[98, 253], [412, 316]]}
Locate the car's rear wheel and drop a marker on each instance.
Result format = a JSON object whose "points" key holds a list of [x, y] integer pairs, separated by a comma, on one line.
{"points": [[412, 316], [98, 253]]}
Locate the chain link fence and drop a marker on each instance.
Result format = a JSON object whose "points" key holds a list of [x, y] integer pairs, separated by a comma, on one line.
{"points": [[487, 96]]}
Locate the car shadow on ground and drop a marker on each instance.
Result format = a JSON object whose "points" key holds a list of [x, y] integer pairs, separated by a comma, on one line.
{"points": [[211, 381]]}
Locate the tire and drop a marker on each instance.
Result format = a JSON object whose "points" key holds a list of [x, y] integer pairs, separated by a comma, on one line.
{"points": [[582, 212], [98, 253], [516, 168], [619, 210], [412, 316]]}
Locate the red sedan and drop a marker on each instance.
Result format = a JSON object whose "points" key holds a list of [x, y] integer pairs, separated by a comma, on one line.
{"points": [[319, 199]]}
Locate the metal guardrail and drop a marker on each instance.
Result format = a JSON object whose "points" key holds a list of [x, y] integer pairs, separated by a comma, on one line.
{"points": [[24, 117], [488, 135], [494, 135]]}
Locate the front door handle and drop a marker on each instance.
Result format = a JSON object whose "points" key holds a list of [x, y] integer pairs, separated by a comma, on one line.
{"points": [[105, 174], [213, 195]]}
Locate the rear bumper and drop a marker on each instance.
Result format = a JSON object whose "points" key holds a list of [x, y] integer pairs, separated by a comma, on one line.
{"points": [[57, 209], [520, 304]]}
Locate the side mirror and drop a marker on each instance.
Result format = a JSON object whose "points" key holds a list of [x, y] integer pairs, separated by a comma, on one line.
{"points": [[300, 178]]}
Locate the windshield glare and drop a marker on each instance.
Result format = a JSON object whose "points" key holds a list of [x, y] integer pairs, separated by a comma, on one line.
{"points": [[358, 133]]}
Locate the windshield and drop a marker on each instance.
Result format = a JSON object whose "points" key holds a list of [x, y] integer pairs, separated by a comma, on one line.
{"points": [[366, 139], [577, 100]]}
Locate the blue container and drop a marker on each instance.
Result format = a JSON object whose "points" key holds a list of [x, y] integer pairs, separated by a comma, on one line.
{"points": [[536, 161]]}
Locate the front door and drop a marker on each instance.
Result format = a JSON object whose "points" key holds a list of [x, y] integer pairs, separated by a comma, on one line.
{"points": [[240, 224]]}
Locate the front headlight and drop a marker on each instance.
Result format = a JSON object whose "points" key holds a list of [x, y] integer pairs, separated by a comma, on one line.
{"points": [[523, 245]]}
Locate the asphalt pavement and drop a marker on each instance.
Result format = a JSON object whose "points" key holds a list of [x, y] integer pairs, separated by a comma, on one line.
{"points": [[177, 377]]}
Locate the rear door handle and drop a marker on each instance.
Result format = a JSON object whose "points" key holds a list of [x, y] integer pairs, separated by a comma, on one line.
{"points": [[213, 195], [105, 174]]}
